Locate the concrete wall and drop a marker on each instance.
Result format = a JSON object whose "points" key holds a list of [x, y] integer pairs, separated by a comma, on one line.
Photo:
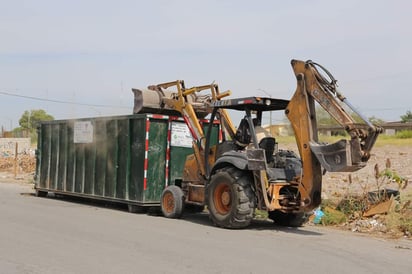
{"points": [[8, 145]]}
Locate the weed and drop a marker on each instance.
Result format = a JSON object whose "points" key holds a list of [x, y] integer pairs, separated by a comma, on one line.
{"points": [[404, 134], [332, 216], [397, 221], [261, 214]]}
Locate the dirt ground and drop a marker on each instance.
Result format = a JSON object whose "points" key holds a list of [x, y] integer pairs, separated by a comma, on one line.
{"points": [[337, 186], [394, 224], [400, 157]]}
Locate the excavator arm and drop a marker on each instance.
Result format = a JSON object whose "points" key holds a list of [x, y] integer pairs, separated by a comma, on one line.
{"points": [[342, 156]]}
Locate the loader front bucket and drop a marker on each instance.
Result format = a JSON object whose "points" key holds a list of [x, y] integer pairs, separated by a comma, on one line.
{"points": [[151, 101], [342, 156]]}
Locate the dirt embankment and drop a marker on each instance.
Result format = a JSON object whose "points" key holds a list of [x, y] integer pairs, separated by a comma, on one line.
{"points": [[338, 184], [400, 158], [351, 190]]}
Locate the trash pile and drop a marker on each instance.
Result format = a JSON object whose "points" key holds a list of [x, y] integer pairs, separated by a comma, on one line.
{"points": [[378, 212]]}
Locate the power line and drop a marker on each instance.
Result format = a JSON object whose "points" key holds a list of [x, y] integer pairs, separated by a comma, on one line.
{"points": [[60, 101], [385, 109]]}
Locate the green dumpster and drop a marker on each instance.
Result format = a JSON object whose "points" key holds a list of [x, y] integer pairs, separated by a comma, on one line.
{"points": [[127, 159]]}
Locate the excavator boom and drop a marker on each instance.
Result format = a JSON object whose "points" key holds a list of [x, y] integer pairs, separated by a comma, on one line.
{"points": [[342, 156], [313, 86]]}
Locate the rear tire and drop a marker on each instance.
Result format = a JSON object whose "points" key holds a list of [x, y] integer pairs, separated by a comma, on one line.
{"points": [[172, 203], [230, 199], [288, 219]]}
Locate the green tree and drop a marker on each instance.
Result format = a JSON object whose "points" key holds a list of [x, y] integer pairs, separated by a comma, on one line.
{"points": [[407, 117], [29, 119]]}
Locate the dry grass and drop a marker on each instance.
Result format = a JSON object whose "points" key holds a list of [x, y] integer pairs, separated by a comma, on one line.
{"points": [[381, 141], [401, 218]]}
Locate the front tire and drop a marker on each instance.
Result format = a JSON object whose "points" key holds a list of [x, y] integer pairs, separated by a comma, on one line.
{"points": [[172, 202], [230, 199]]}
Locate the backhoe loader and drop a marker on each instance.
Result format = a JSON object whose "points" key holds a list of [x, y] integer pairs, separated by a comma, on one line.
{"points": [[243, 173]]}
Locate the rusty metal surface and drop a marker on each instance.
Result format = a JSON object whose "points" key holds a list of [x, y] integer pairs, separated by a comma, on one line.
{"points": [[196, 193]]}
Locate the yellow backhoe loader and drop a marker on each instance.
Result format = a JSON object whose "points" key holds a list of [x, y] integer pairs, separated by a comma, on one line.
{"points": [[242, 173]]}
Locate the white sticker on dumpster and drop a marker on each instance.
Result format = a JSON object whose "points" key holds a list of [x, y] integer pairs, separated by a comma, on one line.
{"points": [[83, 132], [180, 135]]}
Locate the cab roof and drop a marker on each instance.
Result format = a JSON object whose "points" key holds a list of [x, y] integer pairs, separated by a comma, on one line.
{"points": [[252, 103]]}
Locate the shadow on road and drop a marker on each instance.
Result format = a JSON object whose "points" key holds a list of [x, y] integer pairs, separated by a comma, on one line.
{"points": [[257, 224], [196, 218]]}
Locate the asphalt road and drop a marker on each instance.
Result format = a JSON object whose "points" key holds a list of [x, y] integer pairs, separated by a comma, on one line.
{"points": [[48, 235]]}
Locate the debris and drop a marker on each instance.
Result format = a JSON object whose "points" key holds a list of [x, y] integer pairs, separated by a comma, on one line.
{"points": [[318, 214], [382, 195], [26, 163], [402, 247], [380, 208]]}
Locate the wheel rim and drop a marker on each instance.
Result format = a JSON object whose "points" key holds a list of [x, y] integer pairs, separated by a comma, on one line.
{"points": [[222, 198], [168, 202]]}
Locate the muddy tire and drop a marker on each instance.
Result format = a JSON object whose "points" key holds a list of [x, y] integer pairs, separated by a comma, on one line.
{"points": [[230, 199], [288, 219], [172, 202]]}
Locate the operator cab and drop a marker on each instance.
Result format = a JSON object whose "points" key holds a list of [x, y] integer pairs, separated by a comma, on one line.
{"points": [[250, 135]]}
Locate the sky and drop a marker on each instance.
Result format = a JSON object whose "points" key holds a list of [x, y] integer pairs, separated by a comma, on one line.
{"points": [[93, 52]]}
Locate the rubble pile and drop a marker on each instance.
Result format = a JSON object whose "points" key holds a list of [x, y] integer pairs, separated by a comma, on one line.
{"points": [[26, 163]]}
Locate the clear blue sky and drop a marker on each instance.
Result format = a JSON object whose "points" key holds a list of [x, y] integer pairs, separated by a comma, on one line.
{"points": [[96, 51]]}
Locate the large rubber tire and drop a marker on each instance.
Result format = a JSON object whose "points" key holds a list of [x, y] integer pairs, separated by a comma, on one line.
{"points": [[230, 199], [288, 219], [172, 202]]}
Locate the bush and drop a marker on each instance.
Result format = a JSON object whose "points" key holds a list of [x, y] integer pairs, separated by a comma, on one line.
{"points": [[404, 134]]}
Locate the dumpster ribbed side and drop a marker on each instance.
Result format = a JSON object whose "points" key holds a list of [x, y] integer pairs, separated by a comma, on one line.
{"points": [[123, 161], [137, 137], [45, 141], [71, 159], [126, 159], [62, 163], [156, 158], [111, 164], [101, 157]]}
